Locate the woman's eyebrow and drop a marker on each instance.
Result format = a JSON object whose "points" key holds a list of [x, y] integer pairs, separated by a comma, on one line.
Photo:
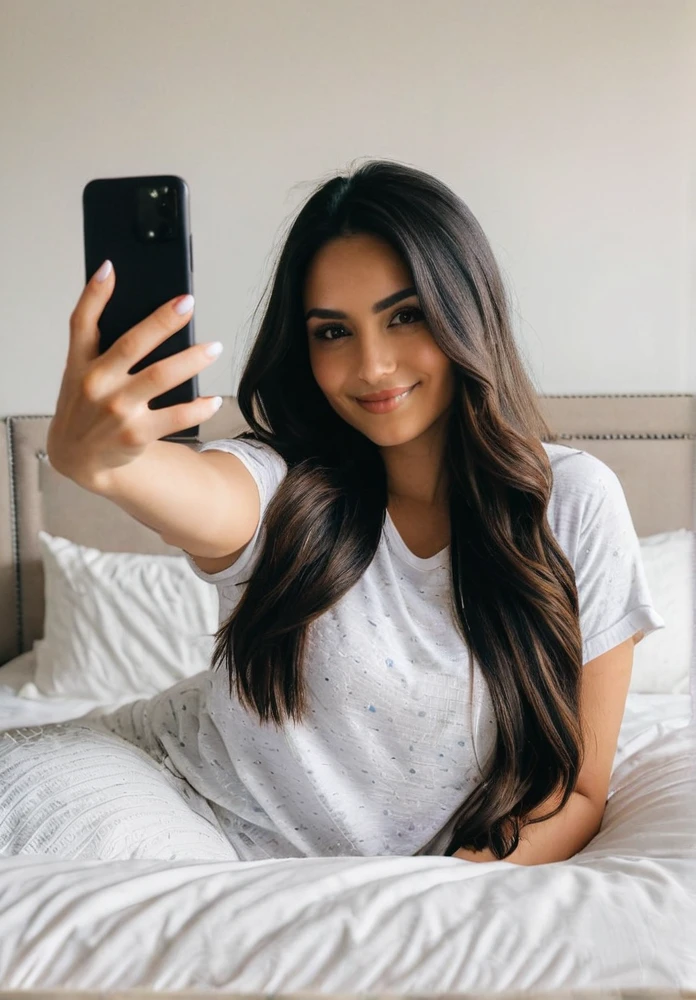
{"points": [[377, 307]]}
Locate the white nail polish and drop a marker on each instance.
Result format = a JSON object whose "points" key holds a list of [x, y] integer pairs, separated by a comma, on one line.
{"points": [[104, 271], [184, 305]]}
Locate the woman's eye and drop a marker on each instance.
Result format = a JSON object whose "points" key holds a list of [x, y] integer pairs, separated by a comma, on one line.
{"points": [[319, 334], [408, 310]]}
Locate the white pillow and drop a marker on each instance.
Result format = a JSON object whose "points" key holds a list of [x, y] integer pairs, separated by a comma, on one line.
{"points": [[662, 661], [76, 791], [120, 626]]}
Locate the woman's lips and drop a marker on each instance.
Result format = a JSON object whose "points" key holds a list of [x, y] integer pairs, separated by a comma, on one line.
{"points": [[386, 405]]}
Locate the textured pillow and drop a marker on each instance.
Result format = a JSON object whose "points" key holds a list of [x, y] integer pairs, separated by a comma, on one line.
{"points": [[662, 662], [120, 626], [75, 791]]}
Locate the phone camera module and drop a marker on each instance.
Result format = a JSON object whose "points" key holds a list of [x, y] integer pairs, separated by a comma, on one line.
{"points": [[156, 213]]}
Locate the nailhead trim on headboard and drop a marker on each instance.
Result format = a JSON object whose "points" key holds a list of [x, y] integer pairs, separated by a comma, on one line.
{"points": [[692, 678], [616, 395], [628, 437], [15, 535]]}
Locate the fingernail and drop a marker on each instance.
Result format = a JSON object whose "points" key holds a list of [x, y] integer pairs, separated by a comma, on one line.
{"points": [[104, 271], [184, 304], [212, 350], [217, 402]]}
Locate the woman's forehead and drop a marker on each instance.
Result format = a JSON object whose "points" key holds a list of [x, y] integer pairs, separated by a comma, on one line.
{"points": [[356, 269]]}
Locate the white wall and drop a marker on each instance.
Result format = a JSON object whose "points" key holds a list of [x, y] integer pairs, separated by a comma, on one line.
{"points": [[566, 125]]}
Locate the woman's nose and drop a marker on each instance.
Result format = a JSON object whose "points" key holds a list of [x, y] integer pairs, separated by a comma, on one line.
{"points": [[376, 361]]}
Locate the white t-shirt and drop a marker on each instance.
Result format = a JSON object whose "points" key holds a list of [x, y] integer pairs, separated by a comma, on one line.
{"points": [[400, 729]]}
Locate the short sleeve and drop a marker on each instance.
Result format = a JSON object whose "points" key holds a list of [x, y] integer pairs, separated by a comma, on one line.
{"points": [[613, 593], [268, 469]]}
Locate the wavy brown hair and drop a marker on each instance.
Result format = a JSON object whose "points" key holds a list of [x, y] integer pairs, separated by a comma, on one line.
{"points": [[513, 588]]}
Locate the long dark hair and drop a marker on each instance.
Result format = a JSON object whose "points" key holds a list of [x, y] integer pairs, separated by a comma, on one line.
{"points": [[513, 588]]}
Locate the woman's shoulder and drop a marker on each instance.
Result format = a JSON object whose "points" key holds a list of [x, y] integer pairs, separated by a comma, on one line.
{"points": [[582, 483], [265, 463], [249, 449], [577, 471]]}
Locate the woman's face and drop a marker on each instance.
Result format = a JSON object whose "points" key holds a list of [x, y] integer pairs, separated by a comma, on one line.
{"points": [[365, 351]]}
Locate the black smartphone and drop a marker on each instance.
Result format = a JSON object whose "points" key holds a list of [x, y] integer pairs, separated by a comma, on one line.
{"points": [[142, 225]]}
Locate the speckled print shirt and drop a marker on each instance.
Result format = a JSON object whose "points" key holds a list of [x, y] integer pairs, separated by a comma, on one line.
{"points": [[401, 724]]}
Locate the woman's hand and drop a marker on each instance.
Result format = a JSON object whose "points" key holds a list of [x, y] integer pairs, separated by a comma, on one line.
{"points": [[102, 419]]}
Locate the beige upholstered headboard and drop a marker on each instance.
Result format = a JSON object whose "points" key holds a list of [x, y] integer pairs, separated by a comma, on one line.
{"points": [[648, 440]]}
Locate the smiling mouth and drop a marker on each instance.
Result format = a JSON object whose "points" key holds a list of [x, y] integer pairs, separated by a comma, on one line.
{"points": [[385, 405]]}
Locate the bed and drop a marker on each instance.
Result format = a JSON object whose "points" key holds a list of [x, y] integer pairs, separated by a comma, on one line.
{"points": [[617, 919]]}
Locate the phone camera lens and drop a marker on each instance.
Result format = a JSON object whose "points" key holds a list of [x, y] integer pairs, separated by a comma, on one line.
{"points": [[156, 213]]}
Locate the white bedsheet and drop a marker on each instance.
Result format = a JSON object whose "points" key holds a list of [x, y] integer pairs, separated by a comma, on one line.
{"points": [[621, 914]]}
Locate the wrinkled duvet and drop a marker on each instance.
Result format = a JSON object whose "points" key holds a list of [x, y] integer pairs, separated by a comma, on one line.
{"points": [[117, 890]]}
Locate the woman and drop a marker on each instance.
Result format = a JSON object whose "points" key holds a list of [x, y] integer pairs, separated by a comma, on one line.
{"points": [[401, 647]]}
